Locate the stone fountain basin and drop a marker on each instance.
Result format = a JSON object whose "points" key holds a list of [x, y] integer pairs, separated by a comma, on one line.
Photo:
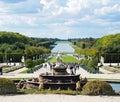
{"points": [[74, 78]]}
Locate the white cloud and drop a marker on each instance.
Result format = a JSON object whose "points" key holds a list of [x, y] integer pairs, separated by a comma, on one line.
{"points": [[48, 7], [70, 22], [7, 19], [3, 8], [29, 20], [107, 9], [75, 6], [103, 2], [60, 18], [72, 7], [47, 4], [17, 20], [86, 18], [113, 31]]}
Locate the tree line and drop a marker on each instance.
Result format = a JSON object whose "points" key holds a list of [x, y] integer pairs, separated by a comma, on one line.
{"points": [[15, 45], [107, 46]]}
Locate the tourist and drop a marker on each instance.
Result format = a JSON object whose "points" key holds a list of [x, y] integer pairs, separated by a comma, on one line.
{"points": [[74, 70], [68, 71], [71, 71], [1, 70]]}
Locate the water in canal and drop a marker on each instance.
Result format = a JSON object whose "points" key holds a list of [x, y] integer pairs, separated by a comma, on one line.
{"points": [[116, 86], [63, 47]]}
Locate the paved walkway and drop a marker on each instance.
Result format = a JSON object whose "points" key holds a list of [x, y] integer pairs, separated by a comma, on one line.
{"points": [[104, 76], [58, 98], [80, 71], [18, 71], [105, 71]]}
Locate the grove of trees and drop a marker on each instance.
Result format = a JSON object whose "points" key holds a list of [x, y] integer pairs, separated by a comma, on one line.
{"points": [[14, 45], [107, 46]]}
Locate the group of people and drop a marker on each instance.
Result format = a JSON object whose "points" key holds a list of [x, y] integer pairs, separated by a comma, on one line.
{"points": [[71, 68]]}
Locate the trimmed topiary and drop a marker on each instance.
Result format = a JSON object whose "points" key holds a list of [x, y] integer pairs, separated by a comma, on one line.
{"points": [[7, 86], [97, 88]]}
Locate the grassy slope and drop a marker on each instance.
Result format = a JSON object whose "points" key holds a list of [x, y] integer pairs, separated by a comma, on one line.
{"points": [[64, 59], [53, 59], [69, 59]]}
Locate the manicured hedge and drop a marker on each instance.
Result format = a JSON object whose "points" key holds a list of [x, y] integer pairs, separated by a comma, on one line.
{"points": [[89, 65], [31, 70], [97, 87], [7, 86], [32, 63]]}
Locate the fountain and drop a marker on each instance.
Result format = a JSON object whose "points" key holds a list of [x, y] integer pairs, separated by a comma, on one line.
{"points": [[59, 78]]}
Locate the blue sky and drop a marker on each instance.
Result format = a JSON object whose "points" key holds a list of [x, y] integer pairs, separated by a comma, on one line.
{"points": [[60, 18]]}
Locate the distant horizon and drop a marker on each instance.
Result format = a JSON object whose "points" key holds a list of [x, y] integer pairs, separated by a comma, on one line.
{"points": [[60, 38], [62, 19]]}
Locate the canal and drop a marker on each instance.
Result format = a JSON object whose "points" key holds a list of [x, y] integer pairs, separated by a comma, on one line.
{"points": [[63, 47], [115, 86]]}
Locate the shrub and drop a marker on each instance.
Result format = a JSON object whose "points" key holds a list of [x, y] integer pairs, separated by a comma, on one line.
{"points": [[38, 61], [31, 70], [84, 62], [29, 63], [7, 86], [33, 65], [90, 64], [97, 88]]}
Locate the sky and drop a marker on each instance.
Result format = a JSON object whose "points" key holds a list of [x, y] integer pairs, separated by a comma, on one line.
{"points": [[60, 18]]}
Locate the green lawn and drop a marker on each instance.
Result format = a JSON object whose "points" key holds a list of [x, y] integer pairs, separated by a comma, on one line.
{"points": [[53, 59], [37, 91], [23, 72], [69, 59], [64, 59], [18, 78]]}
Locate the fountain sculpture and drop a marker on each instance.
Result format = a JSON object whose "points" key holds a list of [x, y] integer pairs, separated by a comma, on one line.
{"points": [[59, 78]]}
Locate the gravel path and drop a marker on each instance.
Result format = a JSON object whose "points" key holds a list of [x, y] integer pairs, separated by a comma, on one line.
{"points": [[18, 71], [58, 98]]}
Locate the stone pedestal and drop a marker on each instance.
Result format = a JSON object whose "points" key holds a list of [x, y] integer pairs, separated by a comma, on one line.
{"points": [[60, 70]]}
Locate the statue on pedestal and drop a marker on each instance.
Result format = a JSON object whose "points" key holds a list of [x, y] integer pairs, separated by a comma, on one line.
{"points": [[102, 60], [59, 59]]}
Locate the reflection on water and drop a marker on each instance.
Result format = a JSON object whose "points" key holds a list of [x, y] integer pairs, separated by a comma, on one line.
{"points": [[116, 86], [63, 47]]}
